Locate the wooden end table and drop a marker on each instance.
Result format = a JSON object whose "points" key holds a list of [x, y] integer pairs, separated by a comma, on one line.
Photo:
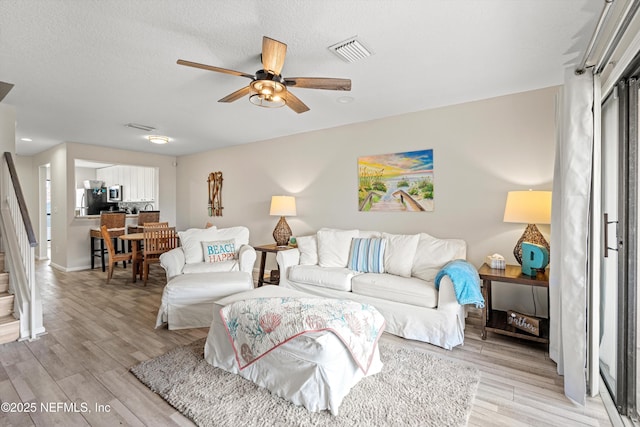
{"points": [[265, 249], [496, 320]]}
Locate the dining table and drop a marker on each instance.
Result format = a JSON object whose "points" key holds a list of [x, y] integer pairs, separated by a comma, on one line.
{"points": [[136, 255]]}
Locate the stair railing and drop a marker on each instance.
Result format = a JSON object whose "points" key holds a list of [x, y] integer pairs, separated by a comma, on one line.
{"points": [[19, 243]]}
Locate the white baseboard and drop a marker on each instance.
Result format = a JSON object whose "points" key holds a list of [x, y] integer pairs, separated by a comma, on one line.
{"points": [[68, 270]]}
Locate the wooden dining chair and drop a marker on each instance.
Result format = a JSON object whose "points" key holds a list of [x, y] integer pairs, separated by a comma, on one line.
{"points": [[149, 225], [156, 241], [114, 257], [144, 217]]}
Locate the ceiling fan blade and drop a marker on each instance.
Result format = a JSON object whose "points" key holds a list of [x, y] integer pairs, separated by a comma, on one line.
{"points": [[273, 53], [236, 95], [295, 104], [212, 68], [4, 89], [319, 83]]}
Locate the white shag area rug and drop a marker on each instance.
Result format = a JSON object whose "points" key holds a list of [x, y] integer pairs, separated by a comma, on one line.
{"points": [[413, 388]]}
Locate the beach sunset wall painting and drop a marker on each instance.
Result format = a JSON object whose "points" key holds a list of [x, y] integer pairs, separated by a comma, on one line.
{"points": [[399, 182]]}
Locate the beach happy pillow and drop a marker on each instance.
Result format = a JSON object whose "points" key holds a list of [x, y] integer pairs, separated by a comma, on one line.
{"points": [[219, 251]]}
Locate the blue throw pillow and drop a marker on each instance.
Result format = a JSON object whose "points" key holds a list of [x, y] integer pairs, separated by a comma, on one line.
{"points": [[367, 255]]}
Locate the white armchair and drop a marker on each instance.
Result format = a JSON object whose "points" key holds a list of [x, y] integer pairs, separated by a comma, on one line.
{"points": [[209, 264], [190, 257]]}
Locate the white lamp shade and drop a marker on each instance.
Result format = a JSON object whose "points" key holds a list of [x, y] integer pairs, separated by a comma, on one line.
{"points": [[528, 207], [283, 206]]}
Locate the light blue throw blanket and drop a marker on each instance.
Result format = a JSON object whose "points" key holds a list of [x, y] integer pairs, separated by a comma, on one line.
{"points": [[466, 282]]}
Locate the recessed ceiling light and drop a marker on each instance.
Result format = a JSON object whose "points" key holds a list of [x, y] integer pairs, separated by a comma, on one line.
{"points": [[158, 139], [345, 99], [26, 139]]}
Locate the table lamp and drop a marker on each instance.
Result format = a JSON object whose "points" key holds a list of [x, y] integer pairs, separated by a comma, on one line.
{"points": [[282, 206], [531, 208]]}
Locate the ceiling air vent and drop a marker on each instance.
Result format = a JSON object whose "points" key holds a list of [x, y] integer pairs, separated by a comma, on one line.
{"points": [[140, 127], [350, 50]]}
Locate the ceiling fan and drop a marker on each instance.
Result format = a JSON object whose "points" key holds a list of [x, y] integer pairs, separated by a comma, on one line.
{"points": [[268, 88]]}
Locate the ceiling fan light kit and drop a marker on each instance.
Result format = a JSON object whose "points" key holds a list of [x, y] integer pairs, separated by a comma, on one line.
{"points": [[269, 91], [268, 88]]}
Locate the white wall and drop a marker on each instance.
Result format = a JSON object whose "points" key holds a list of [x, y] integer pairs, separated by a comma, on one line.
{"points": [[83, 174], [27, 181], [482, 150], [7, 129]]}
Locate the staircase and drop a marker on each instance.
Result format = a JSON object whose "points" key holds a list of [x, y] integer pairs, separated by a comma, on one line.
{"points": [[9, 325]]}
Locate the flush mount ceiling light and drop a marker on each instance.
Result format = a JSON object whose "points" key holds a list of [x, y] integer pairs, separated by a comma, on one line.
{"points": [[26, 139], [350, 50], [158, 139], [268, 93]]}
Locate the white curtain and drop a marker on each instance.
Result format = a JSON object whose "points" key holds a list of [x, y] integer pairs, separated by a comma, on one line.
{"points": [[568, 282]]}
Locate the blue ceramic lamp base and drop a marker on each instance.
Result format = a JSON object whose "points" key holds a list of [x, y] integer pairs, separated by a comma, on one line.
{"points": [[531, 235]]}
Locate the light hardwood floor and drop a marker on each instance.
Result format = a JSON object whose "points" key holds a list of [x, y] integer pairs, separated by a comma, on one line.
{"points": [[96, 332]]}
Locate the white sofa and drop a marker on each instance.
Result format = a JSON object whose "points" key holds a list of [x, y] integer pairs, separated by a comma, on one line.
{"points": [[404, 293], [189, 257]]}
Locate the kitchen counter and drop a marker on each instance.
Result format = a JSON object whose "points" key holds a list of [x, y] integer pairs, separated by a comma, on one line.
{"points": [[98, 216]]}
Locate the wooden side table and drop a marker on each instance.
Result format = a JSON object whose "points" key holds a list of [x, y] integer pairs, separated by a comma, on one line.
{"points": [[496, 320], [265, 249]]}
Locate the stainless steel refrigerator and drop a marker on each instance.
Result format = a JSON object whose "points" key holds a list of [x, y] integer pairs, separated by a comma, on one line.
{"points": [[95, 200]]}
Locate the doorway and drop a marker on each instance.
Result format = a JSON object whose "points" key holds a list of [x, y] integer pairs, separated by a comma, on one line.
{"points": [[44, 212]]}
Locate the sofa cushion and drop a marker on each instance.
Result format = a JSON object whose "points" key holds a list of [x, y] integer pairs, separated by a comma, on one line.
{"points": [[327, 277], [407, 290], [191, 240], [207, 267], [367, 234], [433, 253], [333, 247], [367, 255], [205, 288], [399, 253], [191, 243], [308, 247]]}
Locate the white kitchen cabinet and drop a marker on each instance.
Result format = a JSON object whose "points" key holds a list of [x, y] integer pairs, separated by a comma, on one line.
{"points": [[138, 182], [128, 183], [149, 180], [142, 193]]}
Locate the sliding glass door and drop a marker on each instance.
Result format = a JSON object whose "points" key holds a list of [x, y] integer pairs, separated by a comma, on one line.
{"points": [[609, 263], [620, 261]]}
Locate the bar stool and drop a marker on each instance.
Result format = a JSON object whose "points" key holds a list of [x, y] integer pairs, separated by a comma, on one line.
{"points": [[143, 217], [115, 223]]}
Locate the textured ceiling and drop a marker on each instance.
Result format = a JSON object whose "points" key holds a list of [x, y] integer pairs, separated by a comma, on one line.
{"points": [[84, 69]]}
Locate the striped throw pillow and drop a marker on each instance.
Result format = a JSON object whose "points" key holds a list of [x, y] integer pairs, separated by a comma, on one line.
{"points": [[367, 255]]}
